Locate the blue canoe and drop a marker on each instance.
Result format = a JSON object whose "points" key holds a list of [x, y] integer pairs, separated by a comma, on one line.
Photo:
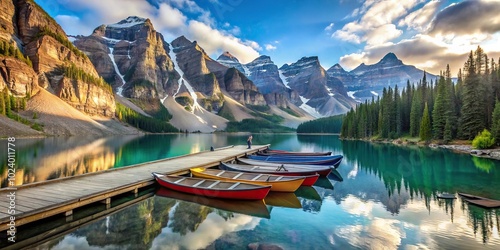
{"points": [[310, 160]]}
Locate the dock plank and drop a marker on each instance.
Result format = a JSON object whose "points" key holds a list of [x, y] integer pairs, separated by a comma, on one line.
{"points": [[41, 200]]}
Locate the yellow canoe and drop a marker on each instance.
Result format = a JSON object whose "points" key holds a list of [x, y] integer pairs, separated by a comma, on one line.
{"points": [[279, 183]]}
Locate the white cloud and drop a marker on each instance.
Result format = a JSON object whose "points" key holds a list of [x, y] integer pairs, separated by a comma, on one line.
{"points": [[270, 47], [377, 17], [421, 18], [168, 19], [424, 51], [214, 41], [329, 27], [382, 34]]}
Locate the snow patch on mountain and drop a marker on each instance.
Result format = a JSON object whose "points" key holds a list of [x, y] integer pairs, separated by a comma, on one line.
{"points": [[128, 22], [312, 111], [119, 90], [283, 79]]}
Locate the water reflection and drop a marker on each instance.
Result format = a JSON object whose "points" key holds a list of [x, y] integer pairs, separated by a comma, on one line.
{"points": [[383, 196]]}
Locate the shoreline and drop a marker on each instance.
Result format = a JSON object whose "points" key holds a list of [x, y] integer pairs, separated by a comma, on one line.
{"points": [[492, 153]]}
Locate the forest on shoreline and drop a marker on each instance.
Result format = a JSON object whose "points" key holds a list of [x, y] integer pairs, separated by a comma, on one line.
{"points": [[442, 111]]}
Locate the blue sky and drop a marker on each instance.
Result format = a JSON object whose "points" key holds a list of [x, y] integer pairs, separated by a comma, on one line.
{"points": [[425, 33]]}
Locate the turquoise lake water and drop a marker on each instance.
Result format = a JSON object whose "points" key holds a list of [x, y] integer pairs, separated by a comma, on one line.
{"points": [[386, 199]]}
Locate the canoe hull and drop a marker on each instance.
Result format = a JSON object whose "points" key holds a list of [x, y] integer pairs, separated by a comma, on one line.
{"points": [[310, 160], [283, 152], [287, 169], [255, 193], [276, 186]]}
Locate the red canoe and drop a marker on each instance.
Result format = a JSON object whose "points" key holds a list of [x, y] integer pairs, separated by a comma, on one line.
{"points": [[213, 188]]}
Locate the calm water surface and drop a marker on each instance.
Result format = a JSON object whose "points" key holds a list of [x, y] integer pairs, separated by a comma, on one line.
{"points": [[387, 199]]}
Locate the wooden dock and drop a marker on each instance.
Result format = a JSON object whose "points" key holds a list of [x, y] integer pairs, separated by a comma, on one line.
{"points": [[38, 201]]}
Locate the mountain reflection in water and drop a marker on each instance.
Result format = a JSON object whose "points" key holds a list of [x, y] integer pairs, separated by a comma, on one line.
{"points": [[386, 198]]}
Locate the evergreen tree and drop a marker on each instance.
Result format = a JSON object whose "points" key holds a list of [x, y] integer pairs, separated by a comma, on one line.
{"points": [[398, 109], [6, 96], [472, 113], [442, 108], [425, 125], [495, 128], [415, 114], [448, 128], [2, 104]]}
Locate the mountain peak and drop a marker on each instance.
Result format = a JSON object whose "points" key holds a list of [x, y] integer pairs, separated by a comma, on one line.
{"points": [[390, 57], [129, 22], [180, 42], [262, 59], [336, 67], [226, 56]]}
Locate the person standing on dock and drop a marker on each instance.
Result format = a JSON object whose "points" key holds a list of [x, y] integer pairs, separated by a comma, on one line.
{"points": [[249, 142]]}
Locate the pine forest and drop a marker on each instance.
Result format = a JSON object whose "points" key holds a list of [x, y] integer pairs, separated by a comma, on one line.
{"points": [[441, 111]]}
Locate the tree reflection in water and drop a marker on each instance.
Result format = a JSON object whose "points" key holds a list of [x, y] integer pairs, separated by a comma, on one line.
{"points": [[410, 172]]}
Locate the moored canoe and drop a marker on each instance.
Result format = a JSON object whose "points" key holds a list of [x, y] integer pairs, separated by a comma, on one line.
{"points": [[282, 169], [283, 152], [213, 188], [285, 167], [311, 160], [279, 183]]}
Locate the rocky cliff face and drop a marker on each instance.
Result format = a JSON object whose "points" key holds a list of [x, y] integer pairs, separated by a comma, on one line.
{"points": [[319, 95], [230, 61], [18, 76], [212, 78], [133, 57], [265, 75], [43, 41]]}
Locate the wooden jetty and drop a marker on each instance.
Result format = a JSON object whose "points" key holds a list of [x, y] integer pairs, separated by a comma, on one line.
{"points": [[37, 201]]}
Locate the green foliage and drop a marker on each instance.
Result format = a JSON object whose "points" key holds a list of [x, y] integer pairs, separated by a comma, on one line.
{"points": [[226, 113], [259, 108], [76, 73], [332, 124], [483, 140], [425, 126], [35, 115], [290, 111], [10, 50], [473, 112], [256, 126], [45, 31], [455, 111], [145, 123], [2, 103], [495, 128], [154, 108], [184, 100]]}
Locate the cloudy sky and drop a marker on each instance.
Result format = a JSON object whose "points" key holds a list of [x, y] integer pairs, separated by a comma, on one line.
{"points": [[425, 33]]}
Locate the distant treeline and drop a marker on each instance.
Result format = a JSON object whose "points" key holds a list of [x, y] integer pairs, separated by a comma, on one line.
{"points": [[140, 121], [256, 126], [331, 124], [10, 104], [442, 111]]}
